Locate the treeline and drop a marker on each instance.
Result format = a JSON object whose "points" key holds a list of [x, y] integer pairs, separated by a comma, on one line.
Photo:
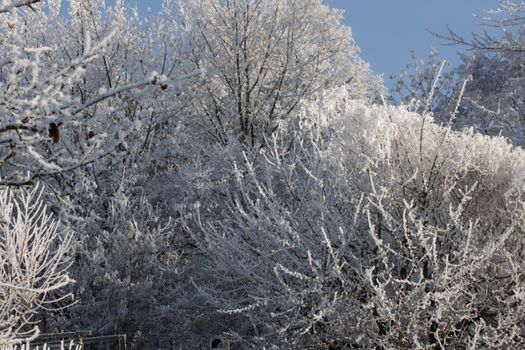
{"points": [[234, 168]]}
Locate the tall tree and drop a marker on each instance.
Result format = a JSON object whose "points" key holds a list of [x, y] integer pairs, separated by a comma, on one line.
{"points": [[260, 59]]}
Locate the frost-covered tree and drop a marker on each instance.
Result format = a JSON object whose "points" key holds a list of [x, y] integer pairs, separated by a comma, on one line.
{"points": [[79, 114], [260, 59], [35, 254], [425, 85], [492, 99], [55, 113]]}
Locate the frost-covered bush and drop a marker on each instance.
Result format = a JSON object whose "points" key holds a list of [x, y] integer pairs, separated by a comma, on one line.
{"points": [[445, 217], [35, 254], [373, 226], [127, 271]]}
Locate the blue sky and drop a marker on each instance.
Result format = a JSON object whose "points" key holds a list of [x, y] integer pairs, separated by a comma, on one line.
{"points": [[386, 30]]}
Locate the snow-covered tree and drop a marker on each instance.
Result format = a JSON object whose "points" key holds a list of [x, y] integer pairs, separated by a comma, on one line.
{"points": [[52, 122], [491, 102], [260, 59], [35, 254], [78, 114], [425, 85], [127, 275]]}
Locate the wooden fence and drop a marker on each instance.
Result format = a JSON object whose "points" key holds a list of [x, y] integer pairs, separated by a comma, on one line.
{"points": [[74, 341]]}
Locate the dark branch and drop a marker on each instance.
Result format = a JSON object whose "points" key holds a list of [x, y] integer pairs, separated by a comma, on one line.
{"points": [[17, 4]]}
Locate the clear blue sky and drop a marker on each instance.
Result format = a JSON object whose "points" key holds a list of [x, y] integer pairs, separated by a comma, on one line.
{"points": [[386, 30]]}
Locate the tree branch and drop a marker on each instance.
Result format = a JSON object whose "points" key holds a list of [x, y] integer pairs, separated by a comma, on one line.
{"points": [[17, 4]]}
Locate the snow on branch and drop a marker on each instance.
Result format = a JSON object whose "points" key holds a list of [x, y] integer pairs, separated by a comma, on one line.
{"points": [[153, 80], [17, 4], [35, 255]]}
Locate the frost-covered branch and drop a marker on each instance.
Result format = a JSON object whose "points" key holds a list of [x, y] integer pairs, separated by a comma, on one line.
{"points": [[16, 4], [35, 256]]}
